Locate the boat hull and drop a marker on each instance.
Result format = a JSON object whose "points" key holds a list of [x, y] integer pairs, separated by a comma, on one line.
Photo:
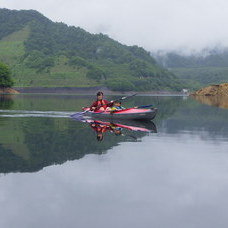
{"points": [[127, 114]]}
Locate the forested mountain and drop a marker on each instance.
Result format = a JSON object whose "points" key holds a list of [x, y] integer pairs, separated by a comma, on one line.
{"points": [[208, 67], [43, 53]]}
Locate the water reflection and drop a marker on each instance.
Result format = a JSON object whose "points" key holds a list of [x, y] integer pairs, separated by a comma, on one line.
{"points": [[31, 143], [218, 101], [176, 178], [119, 127], [208, 122], [6, 101]]}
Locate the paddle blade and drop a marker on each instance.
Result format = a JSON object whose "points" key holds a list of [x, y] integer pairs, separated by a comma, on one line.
{"points": [[123, 98], [77, 115], [145, 106]]}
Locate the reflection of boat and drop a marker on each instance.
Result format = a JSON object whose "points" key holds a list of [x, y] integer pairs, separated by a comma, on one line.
{"points": [[101, 126], [125, 114], [132, 125]]}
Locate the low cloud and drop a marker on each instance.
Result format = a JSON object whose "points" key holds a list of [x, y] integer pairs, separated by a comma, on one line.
{"points": [[152, 24]]}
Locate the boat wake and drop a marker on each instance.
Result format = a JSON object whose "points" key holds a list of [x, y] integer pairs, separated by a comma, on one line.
{"points": [[27, 113]]}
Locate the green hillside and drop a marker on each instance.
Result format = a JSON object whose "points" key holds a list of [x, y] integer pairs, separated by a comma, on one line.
{"points": [[208, 67], [43, 53]]}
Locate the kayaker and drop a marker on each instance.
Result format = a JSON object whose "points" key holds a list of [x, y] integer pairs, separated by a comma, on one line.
{"points": [[100, 104], [116, 106]]}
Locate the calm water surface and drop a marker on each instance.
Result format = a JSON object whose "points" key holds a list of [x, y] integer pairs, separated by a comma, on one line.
{"points": [[58, 172]]}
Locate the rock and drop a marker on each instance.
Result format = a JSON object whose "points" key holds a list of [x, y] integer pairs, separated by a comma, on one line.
{"points": [[8, 91], [215, 95], [213, 90]]}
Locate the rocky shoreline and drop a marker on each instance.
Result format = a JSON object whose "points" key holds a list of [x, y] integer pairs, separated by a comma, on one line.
{"points": [[213, 90], [214, 95], [8, 91]]}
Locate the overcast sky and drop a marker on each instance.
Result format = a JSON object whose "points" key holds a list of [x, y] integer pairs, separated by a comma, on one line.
{"points": [[152, 24]]}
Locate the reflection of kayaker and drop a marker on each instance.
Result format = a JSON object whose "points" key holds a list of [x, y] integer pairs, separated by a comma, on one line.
{"points": [[115, 129], [100, 129], [143, 126]]}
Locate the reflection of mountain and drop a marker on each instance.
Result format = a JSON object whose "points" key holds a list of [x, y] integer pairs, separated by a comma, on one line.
{"points": [[29, 144], [218, 101], [6, 101], [194, 117]]}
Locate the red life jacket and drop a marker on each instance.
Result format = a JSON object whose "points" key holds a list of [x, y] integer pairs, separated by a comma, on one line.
{"points": [[100, 104]]}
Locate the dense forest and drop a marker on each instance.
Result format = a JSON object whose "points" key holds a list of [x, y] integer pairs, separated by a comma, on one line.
{"points": [[210, 66], [43, 53]]}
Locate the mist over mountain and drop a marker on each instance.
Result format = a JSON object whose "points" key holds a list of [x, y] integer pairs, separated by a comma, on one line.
{"points": [[44, 53], [205, 67], [216, 57], [152, 24]]}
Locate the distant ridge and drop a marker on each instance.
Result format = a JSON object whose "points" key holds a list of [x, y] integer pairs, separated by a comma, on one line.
{"points": [[210, 57], [210, 66]]}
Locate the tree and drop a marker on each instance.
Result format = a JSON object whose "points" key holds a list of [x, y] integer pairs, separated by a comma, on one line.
{"points": [[120, 85], [96, 74], [5, 76]]}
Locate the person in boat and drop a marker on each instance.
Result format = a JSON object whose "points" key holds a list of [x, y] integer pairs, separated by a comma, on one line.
{"points": [[100, 104], [116, 106]]}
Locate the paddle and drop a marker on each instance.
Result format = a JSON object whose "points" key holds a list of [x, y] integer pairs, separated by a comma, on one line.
{"points": [[123, 98], [77, 114], [144, 106]]}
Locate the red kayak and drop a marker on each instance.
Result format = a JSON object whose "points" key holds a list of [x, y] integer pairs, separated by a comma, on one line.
{"points": [[125, 114]]}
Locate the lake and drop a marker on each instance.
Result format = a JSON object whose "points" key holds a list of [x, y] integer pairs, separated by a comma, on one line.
{"points": [[56, 171]]}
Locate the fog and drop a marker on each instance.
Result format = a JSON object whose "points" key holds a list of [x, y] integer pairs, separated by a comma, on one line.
{"points": [[153, 24]]}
